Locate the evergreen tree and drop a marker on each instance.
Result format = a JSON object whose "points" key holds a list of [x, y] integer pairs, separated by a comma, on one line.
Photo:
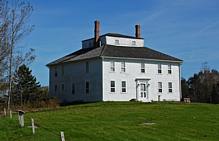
{"points": [[215, 93], [26, 88], [203, 87], [185, 88]]}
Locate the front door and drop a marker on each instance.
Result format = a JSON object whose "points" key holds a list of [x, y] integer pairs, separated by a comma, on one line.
{"points": [[142, 91]]}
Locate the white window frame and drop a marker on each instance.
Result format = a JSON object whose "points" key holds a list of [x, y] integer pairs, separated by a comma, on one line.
{"points": [[123, 87], [160, 89], [123, 67], [112, 87], [169, 69], [170, 87], [134, 43], [142, 67], [112, 66], [159, 69]]}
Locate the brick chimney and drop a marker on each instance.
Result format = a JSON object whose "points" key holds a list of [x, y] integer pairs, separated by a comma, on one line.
{"points": [[96, 33], [137, 31]]}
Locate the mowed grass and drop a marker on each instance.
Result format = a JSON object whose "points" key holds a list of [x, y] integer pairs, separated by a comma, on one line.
{"points": [[118, 121]]}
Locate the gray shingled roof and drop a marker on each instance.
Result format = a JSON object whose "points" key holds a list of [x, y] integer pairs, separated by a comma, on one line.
{"points": [[115, 51]]}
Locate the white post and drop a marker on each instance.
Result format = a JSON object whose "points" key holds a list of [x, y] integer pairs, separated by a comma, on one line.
{"points": [[5, 113], [33, 126], [10, 114], [62, 136], [22, 120], [19, 119]]}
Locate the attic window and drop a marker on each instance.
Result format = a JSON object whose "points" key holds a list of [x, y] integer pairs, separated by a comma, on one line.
{"points": [[133, 43], [116, 42]]}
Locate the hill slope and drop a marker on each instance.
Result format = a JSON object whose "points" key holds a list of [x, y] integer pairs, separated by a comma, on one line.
{"points": [[118, 121]]}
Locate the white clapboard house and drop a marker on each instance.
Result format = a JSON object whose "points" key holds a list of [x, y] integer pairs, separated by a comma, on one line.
{"points": [[115, 67]]}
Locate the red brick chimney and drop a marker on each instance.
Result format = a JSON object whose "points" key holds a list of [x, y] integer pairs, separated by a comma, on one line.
{"points": [[96, 33], [137, 31]]}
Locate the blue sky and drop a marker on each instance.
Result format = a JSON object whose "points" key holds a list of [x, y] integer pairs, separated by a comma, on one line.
{"points": [[187, 29]]}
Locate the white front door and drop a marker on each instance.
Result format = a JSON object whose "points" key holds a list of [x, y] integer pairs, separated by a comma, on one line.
{"points": [[142, 91]]}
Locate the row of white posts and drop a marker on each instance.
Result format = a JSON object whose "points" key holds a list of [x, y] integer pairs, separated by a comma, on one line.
{"points": [[21, 122], [5, 113]]}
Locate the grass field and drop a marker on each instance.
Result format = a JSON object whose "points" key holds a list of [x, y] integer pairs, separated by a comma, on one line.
{"points": [[119, 121]]}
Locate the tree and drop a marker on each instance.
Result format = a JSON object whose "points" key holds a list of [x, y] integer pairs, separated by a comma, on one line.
{"points": [[185, 88], [25, 86], [14, 15], [203, 86], [215, 93]]}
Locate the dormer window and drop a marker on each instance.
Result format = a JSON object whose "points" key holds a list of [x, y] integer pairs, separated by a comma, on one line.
{"points": [[133, 43], [116, 42]]}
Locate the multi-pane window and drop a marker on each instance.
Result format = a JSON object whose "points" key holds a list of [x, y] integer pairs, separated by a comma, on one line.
{"points": [[116, 42], [123, 66], [112, 86], [133, 43], [73, 88], [112, 66], [87, 87], [170, 87], [123, 86], [159, 68], [169, 69], [142, 67], [160, 87], [87, 67]]}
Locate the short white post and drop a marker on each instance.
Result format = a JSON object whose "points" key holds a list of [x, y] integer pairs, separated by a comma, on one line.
{"points": [[5, 112], [62, 136], [33, 126], [10, 114], [21, 118]]}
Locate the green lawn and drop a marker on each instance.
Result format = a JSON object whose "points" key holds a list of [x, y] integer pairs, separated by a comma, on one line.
{"points": [[119, 121]]}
